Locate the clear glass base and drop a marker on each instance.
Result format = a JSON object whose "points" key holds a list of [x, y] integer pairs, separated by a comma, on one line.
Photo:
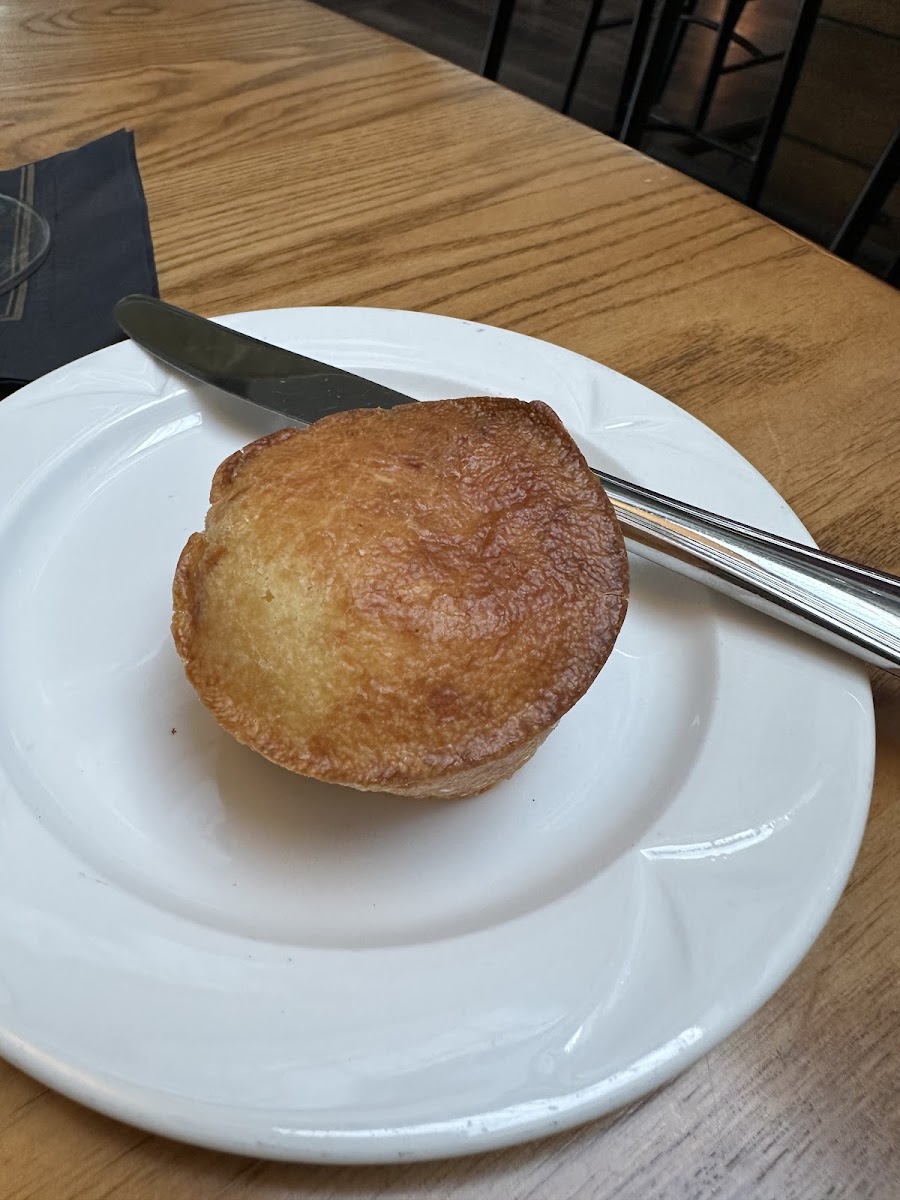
{"points": [[24, 241]]}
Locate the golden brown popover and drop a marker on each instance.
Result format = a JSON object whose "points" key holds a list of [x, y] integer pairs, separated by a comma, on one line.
{"points": [[402, 600]]}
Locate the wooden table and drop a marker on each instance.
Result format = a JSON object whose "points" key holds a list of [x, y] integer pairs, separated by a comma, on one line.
{"points": [[292, 157]]}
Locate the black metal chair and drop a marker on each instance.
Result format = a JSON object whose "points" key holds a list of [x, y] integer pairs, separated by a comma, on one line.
{"points": [[638, 117], [594, 24], [640, 22], [727, 36], [498, 33]]}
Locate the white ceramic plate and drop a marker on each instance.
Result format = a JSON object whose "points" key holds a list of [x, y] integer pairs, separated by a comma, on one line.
{"points": [[209, 947]]}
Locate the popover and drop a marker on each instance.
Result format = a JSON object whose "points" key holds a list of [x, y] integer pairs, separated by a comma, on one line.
{"points": [[403, 600]]}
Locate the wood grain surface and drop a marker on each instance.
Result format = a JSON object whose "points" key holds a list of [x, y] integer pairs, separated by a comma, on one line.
{"points": [[292, 157]]}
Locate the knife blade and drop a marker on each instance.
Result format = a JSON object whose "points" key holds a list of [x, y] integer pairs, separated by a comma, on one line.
{"points": [[846, 604], [301, 388]]}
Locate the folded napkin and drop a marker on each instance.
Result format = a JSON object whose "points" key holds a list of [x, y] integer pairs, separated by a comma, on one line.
{"points": [[100, 250]]}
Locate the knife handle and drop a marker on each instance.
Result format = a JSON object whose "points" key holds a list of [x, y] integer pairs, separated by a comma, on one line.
{"points": [[840, 602]]}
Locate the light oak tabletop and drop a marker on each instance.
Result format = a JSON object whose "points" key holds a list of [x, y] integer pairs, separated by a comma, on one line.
{"points": [[291, 157]]}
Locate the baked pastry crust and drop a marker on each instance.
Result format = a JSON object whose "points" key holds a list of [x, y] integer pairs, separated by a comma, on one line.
{"points": [[402, 600]]}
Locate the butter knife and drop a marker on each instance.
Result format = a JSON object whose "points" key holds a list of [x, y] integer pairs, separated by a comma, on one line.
{"points": [[845, 604]]}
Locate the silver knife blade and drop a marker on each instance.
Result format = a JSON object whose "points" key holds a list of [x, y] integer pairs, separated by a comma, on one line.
{"points": [[300, 387]]}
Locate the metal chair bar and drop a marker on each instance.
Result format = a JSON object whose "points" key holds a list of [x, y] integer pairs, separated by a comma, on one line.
{"points": [[794, 57], [870, 201], [646, 60], [752, 62], [591, 18], [496, 40]]}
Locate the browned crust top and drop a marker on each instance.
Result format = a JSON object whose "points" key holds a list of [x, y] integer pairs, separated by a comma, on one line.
{"points": [[393, 595]]}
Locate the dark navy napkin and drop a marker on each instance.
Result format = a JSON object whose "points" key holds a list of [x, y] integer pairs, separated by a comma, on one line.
{"points": [[100, 250]]}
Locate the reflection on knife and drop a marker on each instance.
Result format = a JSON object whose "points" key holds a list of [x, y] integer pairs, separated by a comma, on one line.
{"points": [[843, 603]]}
